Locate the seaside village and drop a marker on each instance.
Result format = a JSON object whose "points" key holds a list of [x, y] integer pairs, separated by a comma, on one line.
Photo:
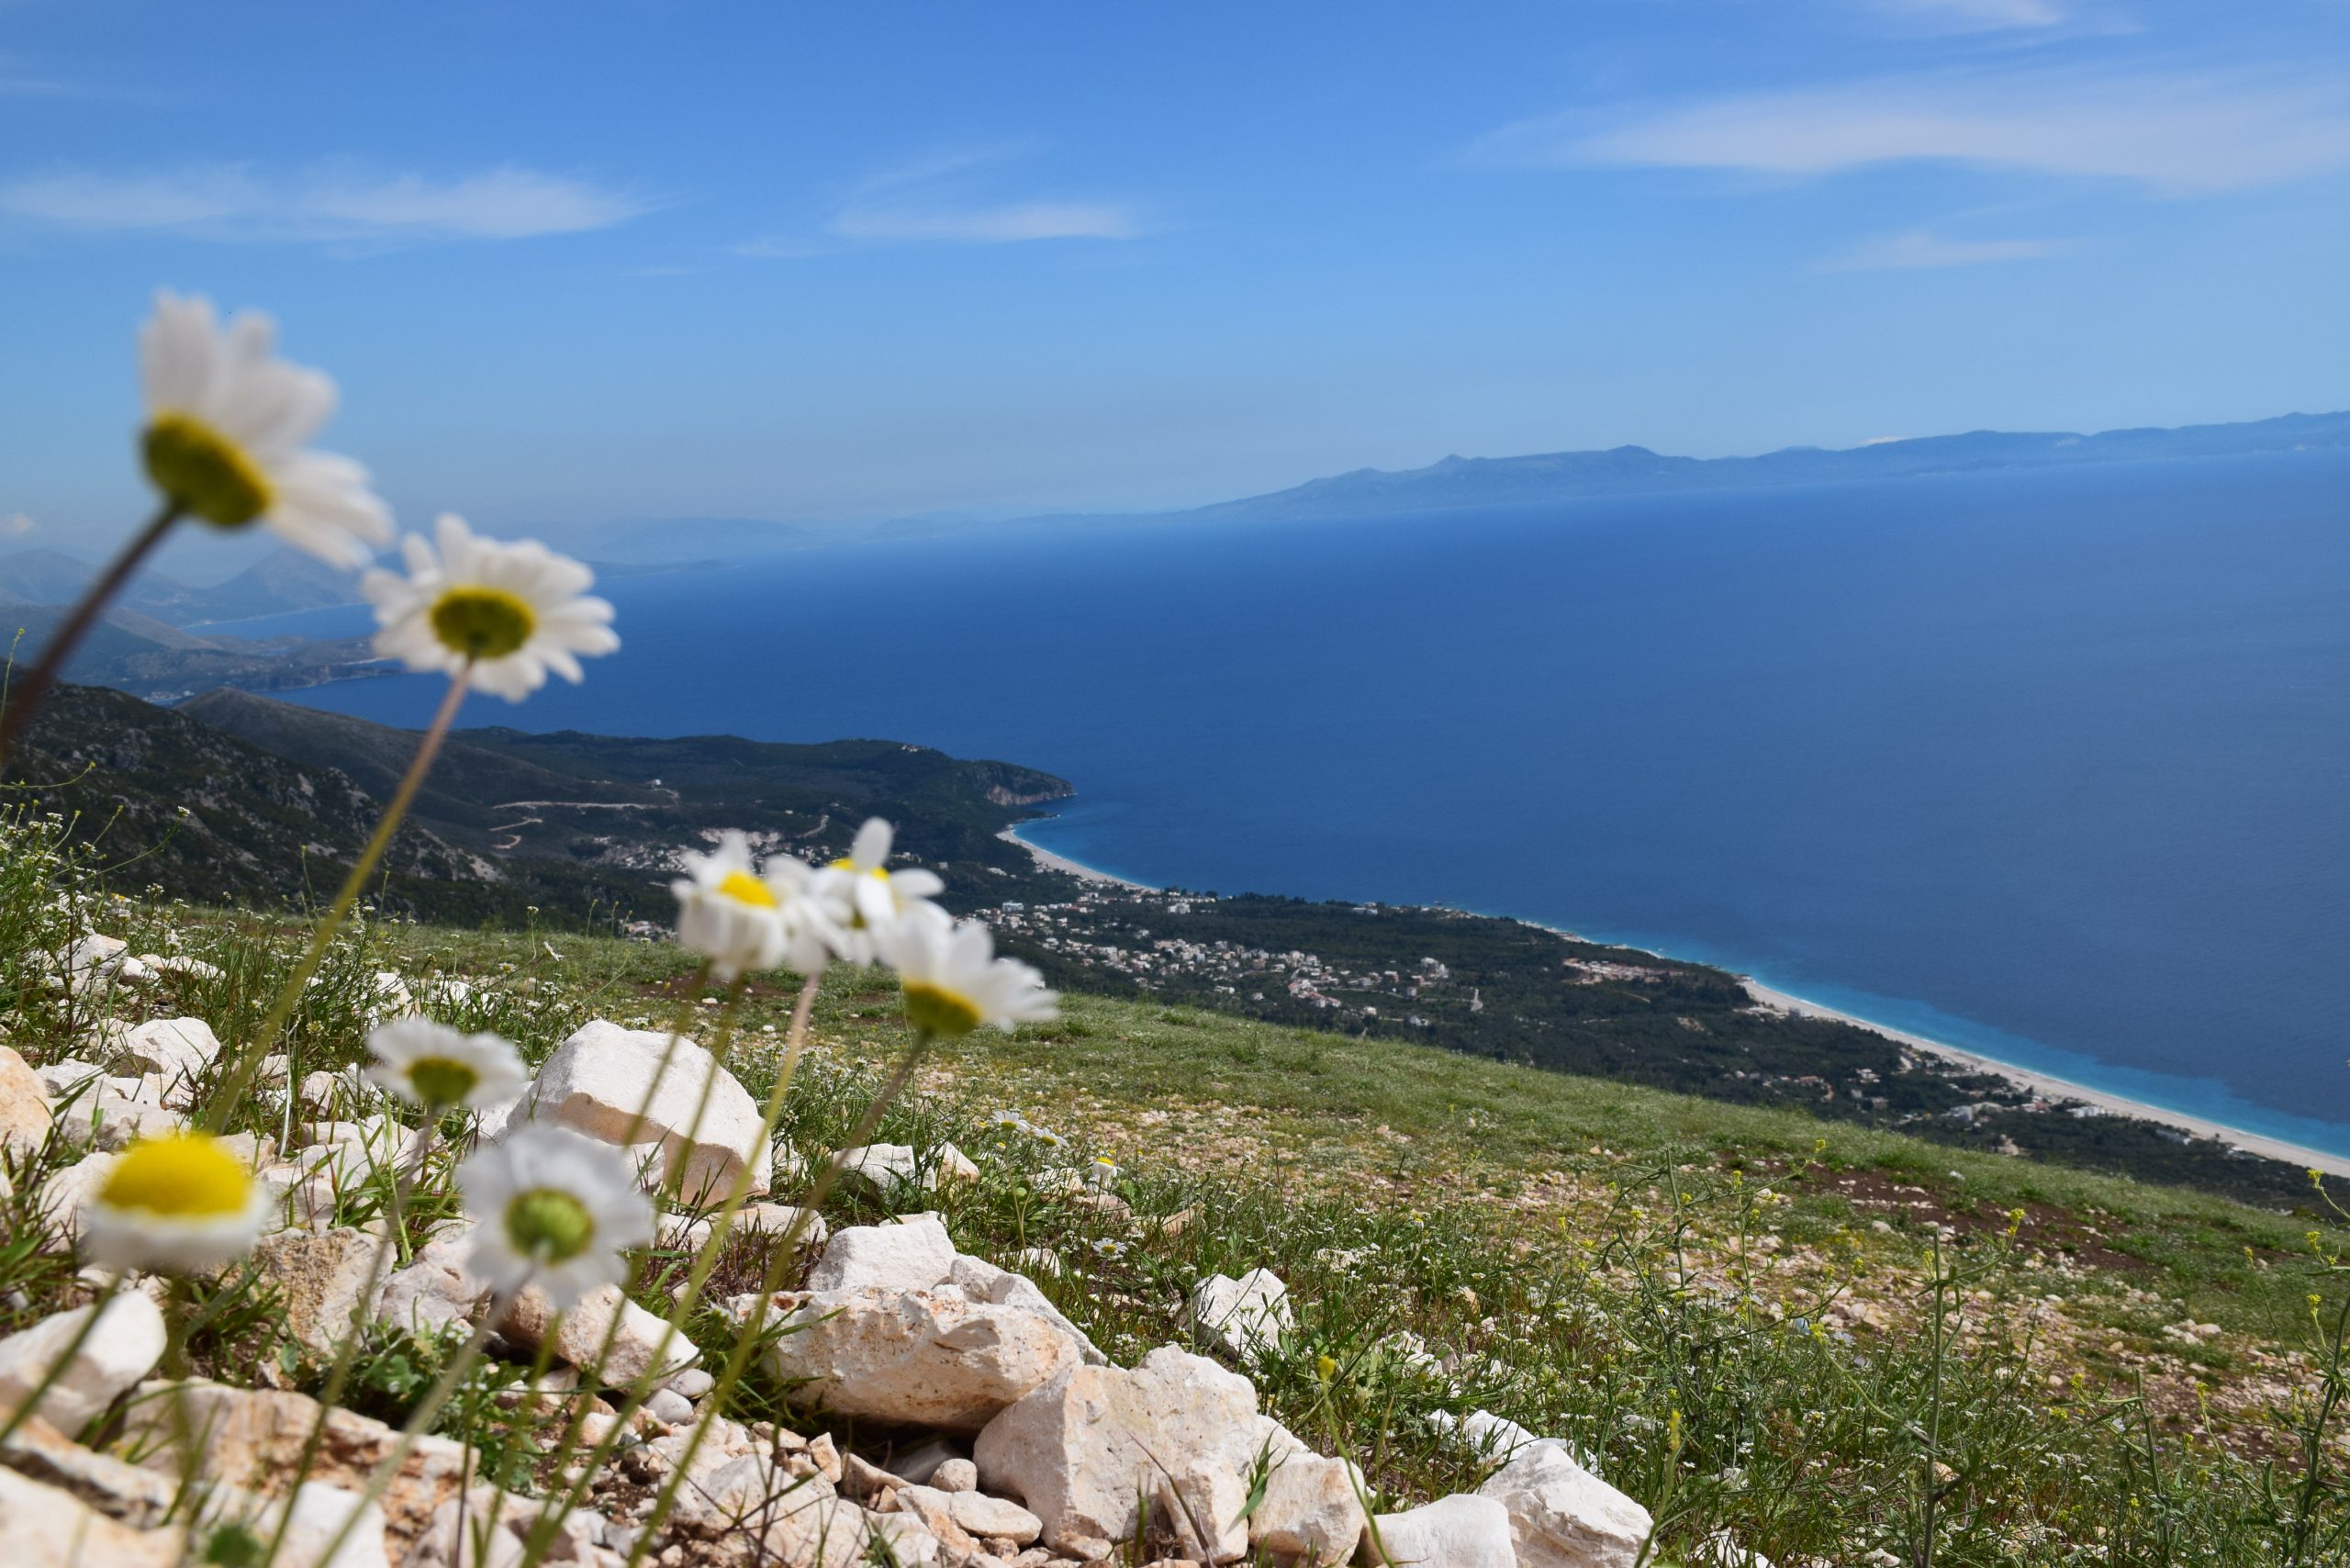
{"points": [[1066, 929]]}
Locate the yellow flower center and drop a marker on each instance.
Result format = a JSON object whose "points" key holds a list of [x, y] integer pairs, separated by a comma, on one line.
{"points": [[744, 888], [482, 623], [201, 471], [549, 1223], [187, 1176], [939, 1012]]}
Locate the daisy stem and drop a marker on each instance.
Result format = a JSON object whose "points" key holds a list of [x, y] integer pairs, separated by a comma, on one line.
{"points": [[705, 1261], [362, 1311], [738, 1359], [257, 1047], [420, 1419], [27, 697], [686, 1002], [56, 1369]]}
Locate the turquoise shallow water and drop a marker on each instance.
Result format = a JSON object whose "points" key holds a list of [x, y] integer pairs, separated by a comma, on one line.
{"points": [[2053, 765]]}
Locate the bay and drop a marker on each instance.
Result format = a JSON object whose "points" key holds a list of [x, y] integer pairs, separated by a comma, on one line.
{"points": [[2054, 764]]}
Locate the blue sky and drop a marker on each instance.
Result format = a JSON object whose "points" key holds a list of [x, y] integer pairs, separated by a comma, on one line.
{"points": [[586, 262]]}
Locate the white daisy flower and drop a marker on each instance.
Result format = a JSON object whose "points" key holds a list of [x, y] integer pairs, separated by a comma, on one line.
{"points": [[506, 614], [953, 981], [180, 1204], [435, 1066], [876, 896], [553, 1210], [225, 425], [742, 918]]}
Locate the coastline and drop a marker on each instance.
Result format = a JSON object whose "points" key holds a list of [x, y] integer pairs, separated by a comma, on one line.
{"points": [[2043, 1083], [2057, 1088], [1052, 862]]}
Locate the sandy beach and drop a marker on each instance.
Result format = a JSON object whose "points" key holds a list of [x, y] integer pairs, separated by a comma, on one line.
{"points": [[2066, 1088], [1053, 862]]}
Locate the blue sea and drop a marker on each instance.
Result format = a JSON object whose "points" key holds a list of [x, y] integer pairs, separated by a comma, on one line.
{"points": [[2054, 764]]}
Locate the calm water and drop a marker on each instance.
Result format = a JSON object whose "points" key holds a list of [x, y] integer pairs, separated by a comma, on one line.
{"points": [[2054, 764]]}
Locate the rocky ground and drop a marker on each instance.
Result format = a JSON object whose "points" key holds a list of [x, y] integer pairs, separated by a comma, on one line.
{"points": [[1263, 1339]]}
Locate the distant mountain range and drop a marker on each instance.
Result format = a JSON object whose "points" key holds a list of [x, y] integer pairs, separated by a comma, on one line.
{"points": [[1457, 482], [1631, 470]]}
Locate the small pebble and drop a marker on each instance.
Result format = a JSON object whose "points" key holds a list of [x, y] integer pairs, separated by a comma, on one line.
{"points": [[693, 1383], [955, 1476], [669, 1405]]}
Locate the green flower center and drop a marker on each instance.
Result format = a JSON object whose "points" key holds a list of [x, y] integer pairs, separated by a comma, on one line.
{"points": [[549, 1224], [482, 623], [938, 1011], [440, 1080], [201, 471]]}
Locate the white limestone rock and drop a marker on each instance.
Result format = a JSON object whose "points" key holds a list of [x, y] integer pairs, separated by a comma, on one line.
{"points": [[46, 1527], [911, 1253], [1312, 1511], [930, 1358], [69, 1076], [978, 1515], [24, 1104], [642, 1344], [957, 1475], [1081, 1450], [1460, 1531], [1561, 1516], [1249, 1317], [179, 1048], [982, 1281], [316, 1515], [597, 1080], [433, 1292], [68, 1192], [124, 1347], [320, 1278], [879, 1169]]}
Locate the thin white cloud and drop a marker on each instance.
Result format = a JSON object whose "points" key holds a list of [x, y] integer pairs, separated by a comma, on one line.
{"points": [[990, 225], [15, 525], [336, 206], [1974, 15], [781, 248], [1924, 248], [953, 196], [2176, 133]]}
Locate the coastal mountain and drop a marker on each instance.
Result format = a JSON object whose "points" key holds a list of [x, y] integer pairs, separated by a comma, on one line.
{"points": [[281, 582], [138, 653]]}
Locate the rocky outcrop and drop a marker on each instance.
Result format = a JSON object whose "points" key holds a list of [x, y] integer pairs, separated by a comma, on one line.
{"points": [[929, 1358], [122, 1346], [1459, 1531], [1561, 1516], [699, 1127], [1083, 1451]]}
